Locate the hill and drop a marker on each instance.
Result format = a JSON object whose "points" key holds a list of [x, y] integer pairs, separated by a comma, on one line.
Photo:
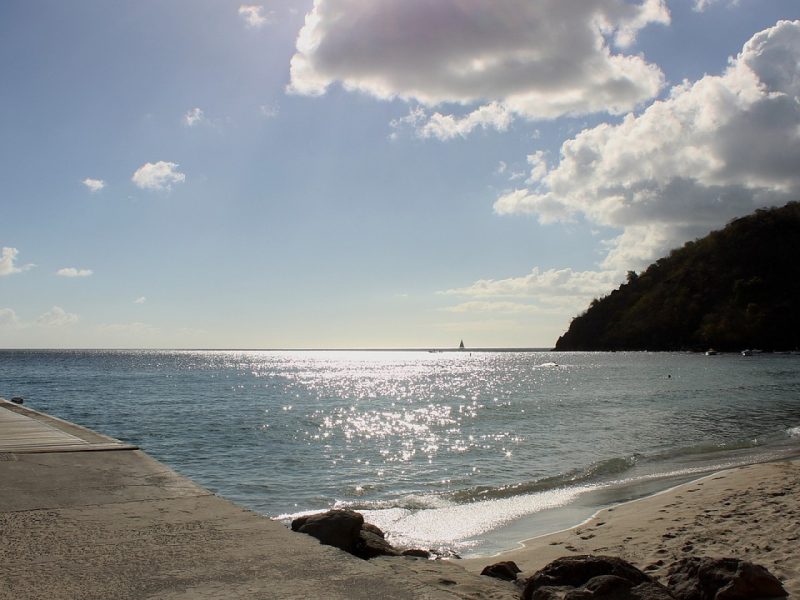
{"points": [[736, 288]]}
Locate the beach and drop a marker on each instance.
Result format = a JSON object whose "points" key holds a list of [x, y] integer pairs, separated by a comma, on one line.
{"points": [[83, 515], [750, 512]]}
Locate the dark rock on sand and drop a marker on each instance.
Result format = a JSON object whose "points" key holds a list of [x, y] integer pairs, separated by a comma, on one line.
{"points": [[339, 528], [722, 579], [506, 570], [592, 577], [371, 544], [346, 529]]}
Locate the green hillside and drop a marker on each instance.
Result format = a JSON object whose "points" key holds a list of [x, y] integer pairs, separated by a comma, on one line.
{"points": [[733, 289]]}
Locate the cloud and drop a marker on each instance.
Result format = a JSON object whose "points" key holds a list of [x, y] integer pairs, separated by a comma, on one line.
{"points": [[538, 165], [193, 117], [94, 185], [701, 5], [73, 272], [253, 15], [56, 317], [445, 127], [269, 111], [8, 259], [544, 286], [140, 300], [538, 60], [477, 306], [712, 150], [8, 318], [158, 176]]}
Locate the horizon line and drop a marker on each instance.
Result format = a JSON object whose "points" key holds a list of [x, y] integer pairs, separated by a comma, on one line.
{"points": [[366, 349]]}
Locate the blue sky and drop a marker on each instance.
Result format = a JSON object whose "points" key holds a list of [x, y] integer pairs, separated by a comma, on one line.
{"points": [[372, 173]]}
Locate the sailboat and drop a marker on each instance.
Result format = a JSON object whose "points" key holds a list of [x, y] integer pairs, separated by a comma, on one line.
{"points": [[461, 345]]}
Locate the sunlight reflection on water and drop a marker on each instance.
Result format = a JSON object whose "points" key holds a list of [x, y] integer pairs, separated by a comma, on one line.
{"points": [[284, 432]]}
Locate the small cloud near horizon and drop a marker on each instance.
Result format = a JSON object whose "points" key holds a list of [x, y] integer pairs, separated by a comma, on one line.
{"points": [[8, 318], [140, 300], [57, 317]]}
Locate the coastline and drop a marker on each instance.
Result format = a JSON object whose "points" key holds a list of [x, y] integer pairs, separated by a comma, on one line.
{"points": [[116, 523], [749, 512]]}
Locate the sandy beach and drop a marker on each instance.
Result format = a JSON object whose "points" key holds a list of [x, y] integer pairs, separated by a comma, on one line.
{"points": [[750, 512]]}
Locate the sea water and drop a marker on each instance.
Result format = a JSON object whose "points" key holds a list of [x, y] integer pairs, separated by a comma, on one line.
{"points": [[465, 452]]}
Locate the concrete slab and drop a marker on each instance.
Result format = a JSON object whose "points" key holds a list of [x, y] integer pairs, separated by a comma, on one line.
{"points": [[119, 524]]}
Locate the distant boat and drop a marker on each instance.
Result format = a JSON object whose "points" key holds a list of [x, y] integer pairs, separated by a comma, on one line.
{"points": [[711, 352], [461, 345], [747, 353]]}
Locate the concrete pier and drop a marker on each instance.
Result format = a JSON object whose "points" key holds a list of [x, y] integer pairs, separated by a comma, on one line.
{"points": [[86, 516]]}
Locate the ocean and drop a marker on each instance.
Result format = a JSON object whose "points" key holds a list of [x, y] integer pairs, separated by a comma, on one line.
{"points": [[462, 452]]}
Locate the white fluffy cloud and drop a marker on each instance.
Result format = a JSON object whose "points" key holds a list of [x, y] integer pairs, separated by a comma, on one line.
{"points": [[73, 272], [56, 317], [253, 15], [712, 150], [158, 176], [193, 117], [8, 259], [538, 59], [140, 300], [94, 185]]}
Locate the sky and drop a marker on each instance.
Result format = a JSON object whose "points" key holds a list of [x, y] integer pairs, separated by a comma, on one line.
{"points": [[372, 173]]}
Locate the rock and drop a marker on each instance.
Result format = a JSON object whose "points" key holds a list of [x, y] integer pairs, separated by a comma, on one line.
{"points": [[575, 571], [339, 528], [17, 400], [721, 579], [592, 577], [506, 570], [371, 545], [416, 552], [373, 529], [346, 529]]}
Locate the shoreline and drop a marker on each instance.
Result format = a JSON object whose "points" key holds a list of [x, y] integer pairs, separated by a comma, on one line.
{"points": [[117, 523], [745, 512]]}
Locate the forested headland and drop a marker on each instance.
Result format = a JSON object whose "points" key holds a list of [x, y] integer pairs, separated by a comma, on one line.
{"points": [[736, 288]]}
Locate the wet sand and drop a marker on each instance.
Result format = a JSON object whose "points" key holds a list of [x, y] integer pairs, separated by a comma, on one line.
{"points": [[750, 512]]}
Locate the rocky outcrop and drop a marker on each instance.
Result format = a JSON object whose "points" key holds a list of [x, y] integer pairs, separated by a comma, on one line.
{"points": [[722, 579], [592, 577]]}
